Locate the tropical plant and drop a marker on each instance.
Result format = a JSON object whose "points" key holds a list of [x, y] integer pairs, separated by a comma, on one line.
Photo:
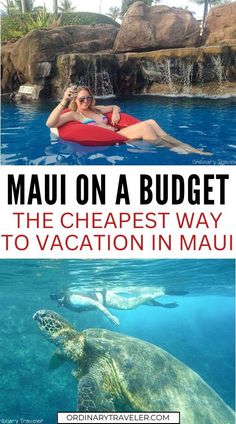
{"points": [[41, 20], [114, 13], [17, 6], [17, 25], [66, 6], [9, 6], [127, 3], [38, 9]]}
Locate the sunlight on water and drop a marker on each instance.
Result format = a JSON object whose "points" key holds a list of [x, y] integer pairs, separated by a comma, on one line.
{"points": [[206, 124]]}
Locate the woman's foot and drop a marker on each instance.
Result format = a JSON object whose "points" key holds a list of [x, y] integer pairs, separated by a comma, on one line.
{"points": [[183, 148]]}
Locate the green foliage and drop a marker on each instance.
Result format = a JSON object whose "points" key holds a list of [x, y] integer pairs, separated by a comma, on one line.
{"points": [[13, 27], [38, 9], [15, 6], [41, 20], [212, 2], [21, 24], [10, 7], [26, 4], [66, 6], [86, 18], [114, 13]]}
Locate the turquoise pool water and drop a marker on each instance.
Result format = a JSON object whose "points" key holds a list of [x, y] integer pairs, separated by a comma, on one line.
{"points": [[205, 123], [199, 332]]}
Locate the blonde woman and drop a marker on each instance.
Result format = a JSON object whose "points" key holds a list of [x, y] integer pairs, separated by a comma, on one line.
{"points": [[82, 108]]}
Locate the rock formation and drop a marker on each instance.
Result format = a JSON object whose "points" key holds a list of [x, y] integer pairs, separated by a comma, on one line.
{"points": [[187, 71], [220, 28], [99, 71], [156, 27], [154, 52], [32, 57]]}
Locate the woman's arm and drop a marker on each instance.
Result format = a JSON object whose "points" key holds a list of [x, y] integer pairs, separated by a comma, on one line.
{"points": [[105, 311], [109, 108], [115, 112], [55, 118]]}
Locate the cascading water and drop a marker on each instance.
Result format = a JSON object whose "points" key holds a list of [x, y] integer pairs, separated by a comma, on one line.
{"points": [[107, 88], [196, 71], [187, 76], [176, 76], [97, 77], [167, 74], [218, 68], [200, 73]]}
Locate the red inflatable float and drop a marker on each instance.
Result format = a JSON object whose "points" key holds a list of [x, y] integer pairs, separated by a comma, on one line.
{"points": [[89, 135]]}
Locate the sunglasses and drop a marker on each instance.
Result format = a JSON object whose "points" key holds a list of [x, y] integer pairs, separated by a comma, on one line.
{"points": [[83, 98]]}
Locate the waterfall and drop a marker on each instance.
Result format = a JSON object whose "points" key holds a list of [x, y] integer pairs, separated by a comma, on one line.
{"points": [[176, 74], [150, 70], [97, 76], [107, 88], [167, 74], [218, 68], [187, 75], [200, 73]]}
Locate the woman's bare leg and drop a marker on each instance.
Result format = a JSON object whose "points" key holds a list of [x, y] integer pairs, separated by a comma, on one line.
{"points": [[118, 302], [179, 145], [142, 130], [158, 130], [150, 131]]}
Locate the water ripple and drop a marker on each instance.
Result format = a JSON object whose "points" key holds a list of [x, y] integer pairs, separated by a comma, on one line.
{"points": [[200, 122]]}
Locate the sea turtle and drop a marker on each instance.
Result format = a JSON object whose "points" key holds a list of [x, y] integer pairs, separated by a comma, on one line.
{"points": [[119, 373]]}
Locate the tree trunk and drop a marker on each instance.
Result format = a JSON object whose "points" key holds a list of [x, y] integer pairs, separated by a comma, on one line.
{"points": [[100, 7], [206, 4], [55, 7], [23, 6]]}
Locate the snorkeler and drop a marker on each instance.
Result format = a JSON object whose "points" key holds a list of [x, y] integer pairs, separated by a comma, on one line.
{"points": [[86, 301], [82, 108]]}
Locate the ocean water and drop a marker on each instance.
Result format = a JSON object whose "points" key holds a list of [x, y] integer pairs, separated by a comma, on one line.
{"points": [[199, 332], [208, 124]]}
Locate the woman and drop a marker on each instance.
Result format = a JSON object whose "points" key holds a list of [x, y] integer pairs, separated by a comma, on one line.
{"points": [[86, 301], [82, 108]]}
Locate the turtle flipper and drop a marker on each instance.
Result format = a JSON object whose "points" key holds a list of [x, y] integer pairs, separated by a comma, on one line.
{"points": [[91, 398], [56, 361]]}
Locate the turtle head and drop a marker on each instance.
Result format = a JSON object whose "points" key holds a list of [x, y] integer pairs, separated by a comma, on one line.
{"points": [[60, 332], [53, 326]]}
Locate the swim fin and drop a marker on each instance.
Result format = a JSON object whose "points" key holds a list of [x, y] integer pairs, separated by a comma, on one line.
{"points": [[153, 302], [176, 292]]}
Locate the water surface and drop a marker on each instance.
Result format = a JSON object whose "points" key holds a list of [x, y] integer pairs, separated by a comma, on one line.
{"points": [[208, 124]]}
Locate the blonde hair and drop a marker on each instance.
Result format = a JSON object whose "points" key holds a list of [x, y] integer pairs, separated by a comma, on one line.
{"points": [[73, 104]]}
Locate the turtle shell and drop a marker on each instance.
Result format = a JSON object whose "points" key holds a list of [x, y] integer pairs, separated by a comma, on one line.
{"points": [[150, 379]]}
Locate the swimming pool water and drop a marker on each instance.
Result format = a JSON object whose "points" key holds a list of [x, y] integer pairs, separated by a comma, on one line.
{"points": [[199, 332], [208, 124]]}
